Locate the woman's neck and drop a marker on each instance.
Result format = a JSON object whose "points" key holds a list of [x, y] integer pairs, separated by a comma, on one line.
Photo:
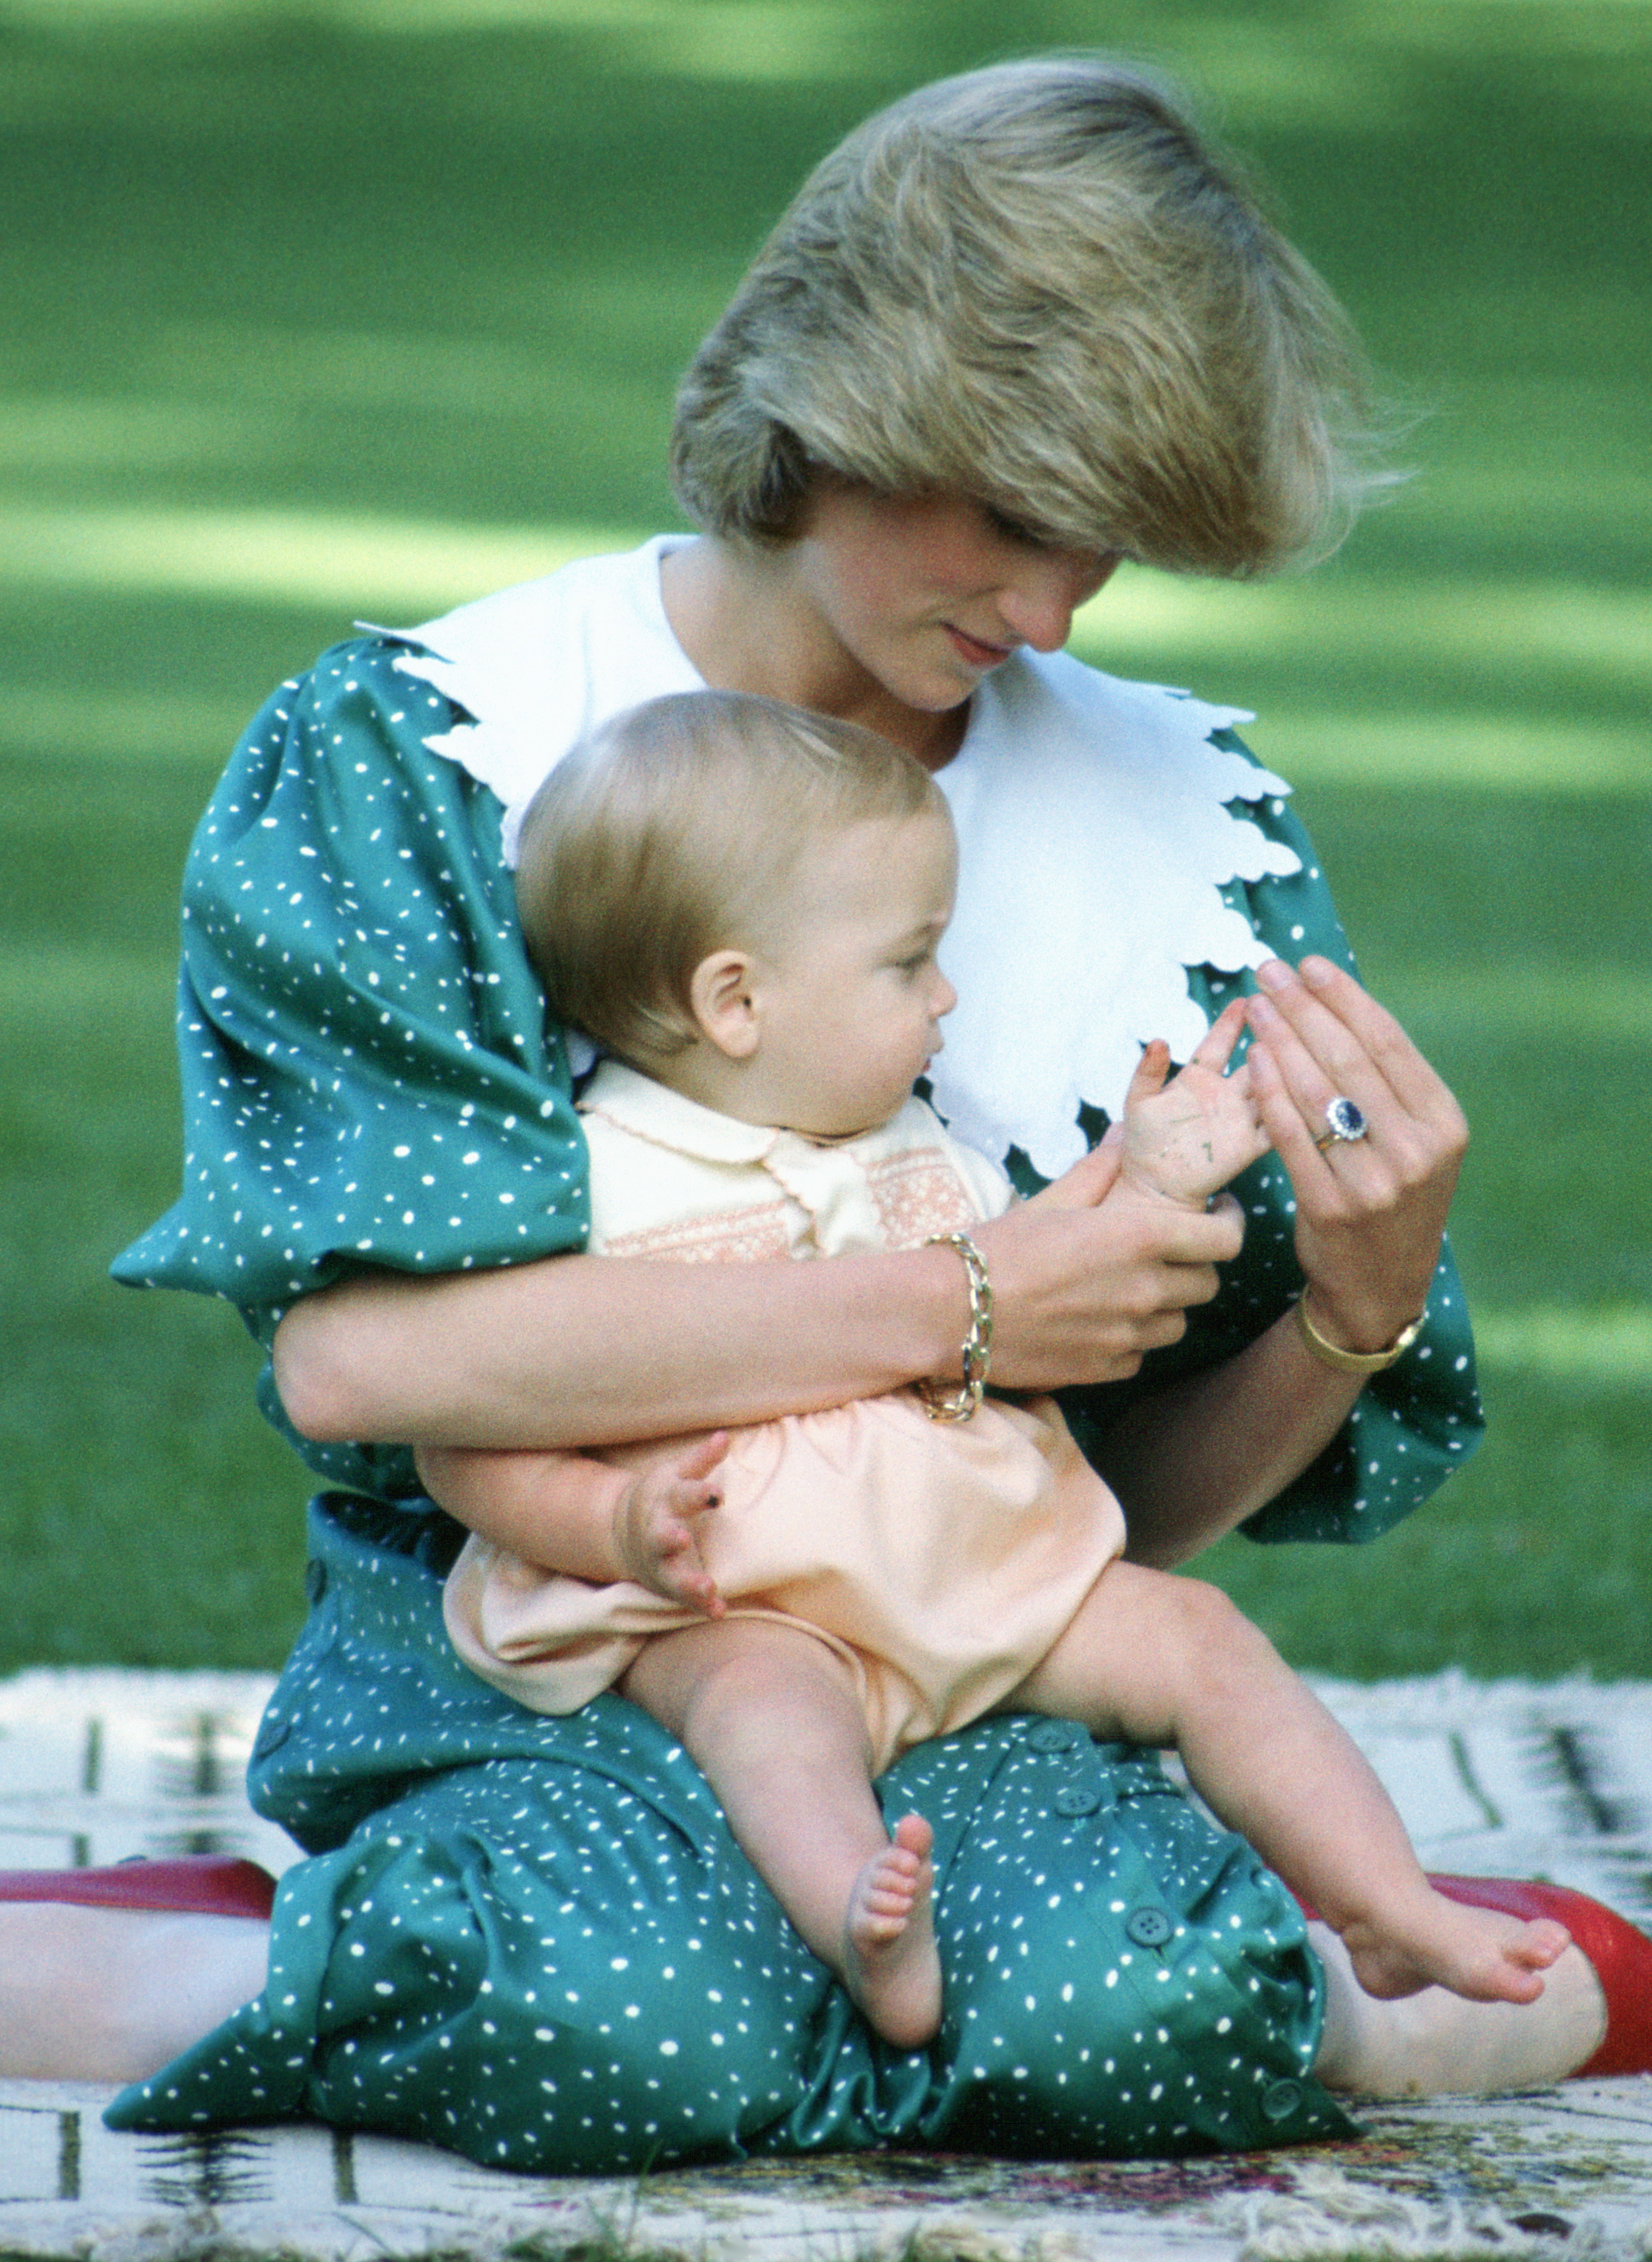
{"points": [[740, 618]]}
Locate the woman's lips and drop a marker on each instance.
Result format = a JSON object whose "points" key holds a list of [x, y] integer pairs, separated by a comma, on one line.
{"points": [[971, 650]]}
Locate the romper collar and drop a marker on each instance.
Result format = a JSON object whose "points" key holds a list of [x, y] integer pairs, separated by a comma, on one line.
{"points": [[829, 1179]]}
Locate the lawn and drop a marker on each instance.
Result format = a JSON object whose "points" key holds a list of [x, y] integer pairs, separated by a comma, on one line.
{"points": [[358, 307]]}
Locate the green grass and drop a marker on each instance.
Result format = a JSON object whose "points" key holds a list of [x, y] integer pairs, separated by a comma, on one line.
{"points": [[358, 306]]}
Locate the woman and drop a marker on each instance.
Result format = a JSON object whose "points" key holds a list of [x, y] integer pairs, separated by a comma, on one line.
{"points": [[1018, 328]]}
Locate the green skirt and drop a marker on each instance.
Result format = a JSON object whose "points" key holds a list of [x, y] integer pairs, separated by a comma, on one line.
{"points": [[535, 1940]]}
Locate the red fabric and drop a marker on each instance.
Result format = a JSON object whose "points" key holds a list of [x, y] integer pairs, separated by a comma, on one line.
{"points": [[203, 1884]]}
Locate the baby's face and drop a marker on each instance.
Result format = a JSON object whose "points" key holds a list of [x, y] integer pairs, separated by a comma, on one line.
{"points": [[852, 997]]}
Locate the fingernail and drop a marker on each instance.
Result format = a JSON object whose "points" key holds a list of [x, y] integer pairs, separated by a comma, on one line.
{"points": [[1274, 974], [1317, 970]]}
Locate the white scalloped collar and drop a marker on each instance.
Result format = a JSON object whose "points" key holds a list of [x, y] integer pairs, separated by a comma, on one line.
{"points": [[1094, 836]]}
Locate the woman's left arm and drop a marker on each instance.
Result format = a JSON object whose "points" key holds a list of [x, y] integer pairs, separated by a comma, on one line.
{"points": [[1201, 1455]]}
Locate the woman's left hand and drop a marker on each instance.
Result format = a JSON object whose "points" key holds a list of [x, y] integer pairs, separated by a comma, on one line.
{"points": [[1371, 1212]]}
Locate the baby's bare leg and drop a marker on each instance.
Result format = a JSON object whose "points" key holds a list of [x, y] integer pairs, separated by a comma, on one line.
{"points": [[1157, 1660], [771, 1716]]}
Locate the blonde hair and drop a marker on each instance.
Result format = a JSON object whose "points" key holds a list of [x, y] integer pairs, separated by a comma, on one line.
{"points": [[1034, 286], [672, 831]]}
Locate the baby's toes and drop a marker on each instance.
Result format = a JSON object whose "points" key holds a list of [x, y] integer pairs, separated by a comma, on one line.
{"points": [[914, 1837], [1539, 1943], [892, 1891]]}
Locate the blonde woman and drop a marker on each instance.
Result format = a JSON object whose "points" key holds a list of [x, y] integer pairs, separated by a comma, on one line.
{"points": [[1019, 326]]}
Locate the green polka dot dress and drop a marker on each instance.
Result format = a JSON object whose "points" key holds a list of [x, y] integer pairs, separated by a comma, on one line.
{"points": [[533, 1938]]}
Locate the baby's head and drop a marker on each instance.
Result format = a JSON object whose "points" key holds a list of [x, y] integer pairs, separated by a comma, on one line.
{"points": [[744, 901]]}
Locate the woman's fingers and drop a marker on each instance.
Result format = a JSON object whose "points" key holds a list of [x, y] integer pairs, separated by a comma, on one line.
{"points": [[1087, 1184], [1408, 1074], [1081, 1294], [1346, 1045], [1347, 1036], [1296, 1123], [1316, 1056], [1369, 1211]]}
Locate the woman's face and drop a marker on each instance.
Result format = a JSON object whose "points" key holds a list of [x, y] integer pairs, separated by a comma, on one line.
{"points": [[923, 597]]}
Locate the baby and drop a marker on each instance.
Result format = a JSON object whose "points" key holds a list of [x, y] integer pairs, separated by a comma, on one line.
{"points": [[743, 905]]}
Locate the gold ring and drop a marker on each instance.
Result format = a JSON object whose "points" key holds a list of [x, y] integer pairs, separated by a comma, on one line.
{"points": [[1345, 1120]]}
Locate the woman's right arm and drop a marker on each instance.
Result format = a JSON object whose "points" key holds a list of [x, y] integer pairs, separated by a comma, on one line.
{"points": [[383, 1158], [581, 1351]]}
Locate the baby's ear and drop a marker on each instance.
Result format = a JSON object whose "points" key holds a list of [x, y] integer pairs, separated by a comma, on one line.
{"points": [[722, 994]]}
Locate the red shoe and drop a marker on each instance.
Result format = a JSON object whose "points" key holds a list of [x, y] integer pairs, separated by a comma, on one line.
{"points": [[1621, 1953], [202, 1884]]}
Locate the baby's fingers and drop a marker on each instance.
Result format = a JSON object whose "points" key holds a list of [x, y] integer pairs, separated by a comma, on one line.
{"points": [[693, 1501], [680, 1569], [701, 1458], [1151, 1070], [1214, 1048], [699, 1589]]}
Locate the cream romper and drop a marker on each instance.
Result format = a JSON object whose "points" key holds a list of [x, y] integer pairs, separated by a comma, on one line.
{"points": [[940, 1560]]}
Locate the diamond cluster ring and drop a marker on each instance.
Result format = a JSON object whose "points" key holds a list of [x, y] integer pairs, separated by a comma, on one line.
{"points": [[1345, 1120]]}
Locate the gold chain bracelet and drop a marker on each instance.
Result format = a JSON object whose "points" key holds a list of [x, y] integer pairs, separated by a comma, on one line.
{"points": [[941, 1401]]}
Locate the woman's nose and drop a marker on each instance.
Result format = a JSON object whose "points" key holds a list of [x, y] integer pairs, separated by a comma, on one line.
{"points": [[1037, 605]]}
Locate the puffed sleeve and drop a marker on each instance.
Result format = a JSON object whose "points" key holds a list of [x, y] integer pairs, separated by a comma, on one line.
{"points": [[1413, 1425], [369, 1081]]}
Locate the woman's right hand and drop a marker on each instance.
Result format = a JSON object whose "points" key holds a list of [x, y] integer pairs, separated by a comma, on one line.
{"points": [[584, 1352], [1083, 1288]]}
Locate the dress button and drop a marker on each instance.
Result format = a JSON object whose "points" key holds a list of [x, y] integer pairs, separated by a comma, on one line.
{"points": [[1054, 1736], [315, 1578], [1148, 1927], [1075, 1798], [1281, 2100]]}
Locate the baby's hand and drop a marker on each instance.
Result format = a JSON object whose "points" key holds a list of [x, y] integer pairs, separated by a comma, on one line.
{"points": [[654, 1526], [1185, 1138]]}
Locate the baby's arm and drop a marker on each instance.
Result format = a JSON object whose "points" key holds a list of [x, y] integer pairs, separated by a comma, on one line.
{"points": [[568, 1513], [1185, 1138]]}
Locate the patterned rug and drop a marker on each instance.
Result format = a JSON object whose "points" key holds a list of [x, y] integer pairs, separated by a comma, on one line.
{"points": [[1507, 1778]]}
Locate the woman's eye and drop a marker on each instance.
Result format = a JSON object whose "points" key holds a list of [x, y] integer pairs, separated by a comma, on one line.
{"points": [[1013, 530]]}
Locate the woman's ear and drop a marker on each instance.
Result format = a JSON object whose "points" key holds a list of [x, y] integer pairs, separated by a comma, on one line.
{"points": [[722, 993]]}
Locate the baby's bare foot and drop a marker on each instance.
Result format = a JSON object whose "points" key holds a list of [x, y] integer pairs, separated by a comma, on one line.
{"points": [[891, 1966], [1480, 1953]]}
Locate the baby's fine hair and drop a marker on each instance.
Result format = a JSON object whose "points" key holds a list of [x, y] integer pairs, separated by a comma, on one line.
{"points": [[1035, 285], [672, 831]]}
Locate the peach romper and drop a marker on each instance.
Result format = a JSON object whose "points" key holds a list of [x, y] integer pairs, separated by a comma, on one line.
{"points": [[940, 1560]]}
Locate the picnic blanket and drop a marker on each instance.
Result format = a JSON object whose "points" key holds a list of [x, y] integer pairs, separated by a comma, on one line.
{"points": [[1508, 1777]]}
